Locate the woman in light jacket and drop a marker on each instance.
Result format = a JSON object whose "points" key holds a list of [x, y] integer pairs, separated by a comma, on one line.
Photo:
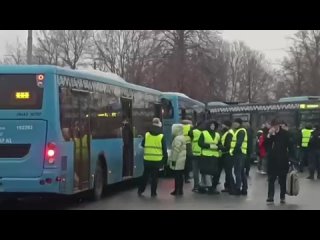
{"points": [[177, 158]]}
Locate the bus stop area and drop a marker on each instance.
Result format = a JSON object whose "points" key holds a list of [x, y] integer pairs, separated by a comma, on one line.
{"points": [[125, 197]]}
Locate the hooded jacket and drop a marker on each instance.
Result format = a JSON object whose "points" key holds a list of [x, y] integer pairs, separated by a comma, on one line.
{"points": [[178, 154], [213, 133]]}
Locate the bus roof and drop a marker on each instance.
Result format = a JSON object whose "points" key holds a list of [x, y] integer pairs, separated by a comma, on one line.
{"points": [[105, 77], [211, 104], [183, 96], [176, 94], [299, 99]]}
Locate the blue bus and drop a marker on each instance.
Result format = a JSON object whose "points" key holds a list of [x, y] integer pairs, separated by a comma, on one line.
{"points": [[67, 131], [178, 106]]}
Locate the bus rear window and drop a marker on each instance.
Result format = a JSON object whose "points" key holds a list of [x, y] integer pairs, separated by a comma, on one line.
{"points": [[20, 91]]}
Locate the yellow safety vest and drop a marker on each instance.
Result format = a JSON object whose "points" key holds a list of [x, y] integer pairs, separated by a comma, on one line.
{"points": [[244, 145], [153, 148], [196, 149], [209, 140], [223, 138], [306, 136], [186, 129], [83, 146]]}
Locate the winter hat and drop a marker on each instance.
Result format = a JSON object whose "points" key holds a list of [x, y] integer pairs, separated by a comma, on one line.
{"points": [[275, 122], [238, 120], [156, 122], [227, 123]]}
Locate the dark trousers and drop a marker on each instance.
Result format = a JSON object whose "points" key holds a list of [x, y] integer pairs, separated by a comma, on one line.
{"points": [[314, 162], [228, 165], [282, 181], [239, 172], [187, 168], [196, 171], [303, 157], [247, 165], [149, 171], [216, 177], [178, 181]]}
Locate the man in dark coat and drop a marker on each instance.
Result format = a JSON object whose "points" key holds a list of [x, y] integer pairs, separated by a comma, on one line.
{"points": [[280, 151], [314, 154]]}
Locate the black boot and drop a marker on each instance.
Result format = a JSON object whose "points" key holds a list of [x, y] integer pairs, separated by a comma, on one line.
{"points": [[270, 200], [174, 193], [213, 191], [202, 190], [236, 192], [180, 192]]}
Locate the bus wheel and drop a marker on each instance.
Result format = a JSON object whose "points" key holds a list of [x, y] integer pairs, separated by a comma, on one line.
{"points": [[99, 182]]}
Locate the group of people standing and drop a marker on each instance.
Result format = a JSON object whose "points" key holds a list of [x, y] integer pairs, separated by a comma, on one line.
{"points": [[207, 149], [204, 148]]}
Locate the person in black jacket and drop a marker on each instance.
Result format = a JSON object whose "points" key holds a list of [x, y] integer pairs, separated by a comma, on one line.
{"points": [[227, 159], [280, 150], [303, 150], [247, 167], [194, 135], [314, 154], [151, 168], [209, 141], [239, 153]]}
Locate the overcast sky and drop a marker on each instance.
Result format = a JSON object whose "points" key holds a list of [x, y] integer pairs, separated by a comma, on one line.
{"points": [[271, 42]]}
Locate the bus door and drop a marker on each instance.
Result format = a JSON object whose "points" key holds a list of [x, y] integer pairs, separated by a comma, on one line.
{"points": [[82, 140], [127, 136], [158, 111]]}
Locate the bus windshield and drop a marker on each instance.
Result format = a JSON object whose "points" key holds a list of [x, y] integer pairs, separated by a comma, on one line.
{"points": [[20, 91]]}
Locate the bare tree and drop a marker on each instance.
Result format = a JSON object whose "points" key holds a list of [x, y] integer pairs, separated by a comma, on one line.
{"points": [[62, 47], [302, 67], [47, 51], [125, 52], [15, 53], [73, 45]]}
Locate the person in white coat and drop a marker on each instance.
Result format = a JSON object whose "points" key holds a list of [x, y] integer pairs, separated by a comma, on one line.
{"points": [[177, 158]]}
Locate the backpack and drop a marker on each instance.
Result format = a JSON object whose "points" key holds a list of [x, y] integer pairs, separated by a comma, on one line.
{"points": [[292, 184]]}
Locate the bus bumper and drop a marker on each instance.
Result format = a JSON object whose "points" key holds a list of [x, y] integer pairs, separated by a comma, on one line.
{"points": [[49, 182]]}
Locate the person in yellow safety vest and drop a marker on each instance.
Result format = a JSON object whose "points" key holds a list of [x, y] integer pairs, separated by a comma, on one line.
{"points": [[81, 152], [187, 125], [226, 159], [303, 146], [209, 142], [155, 156], [194, 135], [238, 151]]}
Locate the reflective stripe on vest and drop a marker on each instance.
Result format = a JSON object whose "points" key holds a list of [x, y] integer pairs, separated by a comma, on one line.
{"points": [[306, 136], [153, 147], [186, 129], [209, 140], [244, 145], [223, 139], [196, 149]]}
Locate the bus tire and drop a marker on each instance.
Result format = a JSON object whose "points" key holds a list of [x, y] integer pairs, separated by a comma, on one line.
{"points": [[99, 181]]}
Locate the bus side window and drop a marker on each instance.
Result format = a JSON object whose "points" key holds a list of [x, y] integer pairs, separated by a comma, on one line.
{"points": [[168, 111], [66, 113]]}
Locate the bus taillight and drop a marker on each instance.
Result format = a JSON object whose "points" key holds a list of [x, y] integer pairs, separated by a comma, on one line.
{"points": [[51, 152]]}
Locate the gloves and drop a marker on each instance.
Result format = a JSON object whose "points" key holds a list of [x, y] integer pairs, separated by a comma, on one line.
{"points": [[213, 146]]}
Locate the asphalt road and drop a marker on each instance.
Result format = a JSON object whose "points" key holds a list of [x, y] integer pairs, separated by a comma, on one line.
{"points": [[124, 197]]}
